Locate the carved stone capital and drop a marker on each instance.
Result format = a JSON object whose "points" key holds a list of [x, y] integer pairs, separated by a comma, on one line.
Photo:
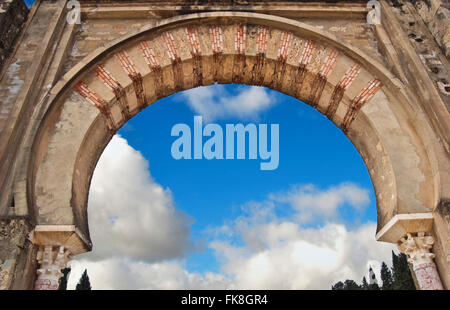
{"points": [[51, 260], [417, 248]]}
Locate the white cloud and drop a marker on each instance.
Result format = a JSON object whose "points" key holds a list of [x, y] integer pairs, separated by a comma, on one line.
{"points": [[141, 241], [120, 273], [132, 215], [312, 203], [278, 253], [216, 103], [306, 259], [303, 259]]}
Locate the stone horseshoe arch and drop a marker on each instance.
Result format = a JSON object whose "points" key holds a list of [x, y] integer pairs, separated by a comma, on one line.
{"points": [[112, 84]]}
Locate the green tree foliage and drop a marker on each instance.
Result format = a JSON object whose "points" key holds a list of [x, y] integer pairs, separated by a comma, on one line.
{"points": [[351, 285], [338, 286], [84, 284], [64, 278], [402, 274], [399, 278], [386, 277], [347, 285], [365, 285]]}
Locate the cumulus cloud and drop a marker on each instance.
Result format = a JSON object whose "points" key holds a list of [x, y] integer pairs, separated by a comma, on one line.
{"points": [[132, 215], [141, 240], [294, 258], [121, 273], [312, 203], [218, 103], [263, 250]]}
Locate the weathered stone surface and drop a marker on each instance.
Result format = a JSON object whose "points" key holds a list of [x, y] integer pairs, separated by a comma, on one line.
{"points": [[13, 14], [436, 14], [425, 29], [16, 255]]}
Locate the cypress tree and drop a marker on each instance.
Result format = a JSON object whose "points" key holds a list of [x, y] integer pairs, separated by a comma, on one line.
{"points": [[63, 281], [365, 285], [386, 277], [351, 285], [84, 284], [402, 275], [347, 285], [399, 278], [394, 262], [338, 286]]}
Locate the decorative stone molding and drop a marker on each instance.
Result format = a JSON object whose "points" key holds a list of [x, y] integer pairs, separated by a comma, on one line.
{"points": [[61, 235], [52, 260], [402, 224], [418, 250]]}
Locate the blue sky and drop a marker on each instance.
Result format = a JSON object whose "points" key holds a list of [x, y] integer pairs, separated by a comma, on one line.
{"points": [[209, 223], [312, 150]]}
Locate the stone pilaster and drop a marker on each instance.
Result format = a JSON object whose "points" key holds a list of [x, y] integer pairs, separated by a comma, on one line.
{"points": [[51, 261], [418, 250]]}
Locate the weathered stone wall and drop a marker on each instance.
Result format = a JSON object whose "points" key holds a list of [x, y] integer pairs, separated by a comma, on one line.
{"points": [[102, 23], [32, 69], [13, 14], [17, 255], [427, 25], [436, 15]]}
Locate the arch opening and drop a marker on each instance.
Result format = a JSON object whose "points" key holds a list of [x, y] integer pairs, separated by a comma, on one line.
{"points": [[164, 114], [106, 89]]}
